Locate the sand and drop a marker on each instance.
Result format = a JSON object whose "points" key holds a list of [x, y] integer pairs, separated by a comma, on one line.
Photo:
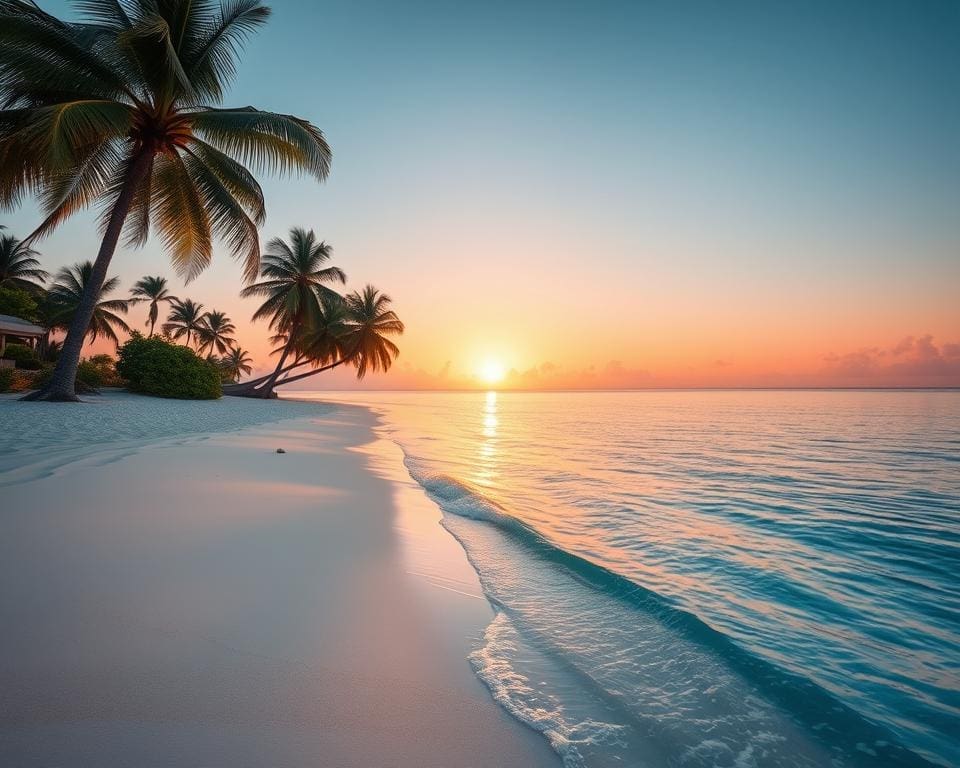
{"points": [[176, 594]]}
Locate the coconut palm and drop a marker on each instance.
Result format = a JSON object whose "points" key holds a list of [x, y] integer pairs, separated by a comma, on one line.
{"points": [[293, 286], [360, 339], [236, 363], [317, 343], [154, 290], [214, 333], [65, 297], [185, 320], [119, 110], [19, 267]]}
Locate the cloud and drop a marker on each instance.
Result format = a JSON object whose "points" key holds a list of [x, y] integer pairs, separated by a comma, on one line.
{"points": [[913, 361]]}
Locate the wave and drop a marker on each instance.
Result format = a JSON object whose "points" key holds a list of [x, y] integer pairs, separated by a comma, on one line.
{"points": [[644, 676]]}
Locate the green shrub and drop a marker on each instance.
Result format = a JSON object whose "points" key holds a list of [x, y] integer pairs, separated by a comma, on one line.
{"points": [[89, 378], [89, 375], [21, 353], [156, 366], [19, 303], [6, 379], [106, 368]]}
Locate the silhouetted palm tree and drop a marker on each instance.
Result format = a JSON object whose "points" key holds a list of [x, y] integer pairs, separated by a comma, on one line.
{"points": [[293, 284], [214, 334], [236, 363], [115, 110], [19, 267], [361, 339], [154, 290], [66, 295], [185, 320]]}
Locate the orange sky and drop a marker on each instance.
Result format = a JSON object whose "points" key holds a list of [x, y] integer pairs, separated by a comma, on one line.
{"points": [[624, 194]]}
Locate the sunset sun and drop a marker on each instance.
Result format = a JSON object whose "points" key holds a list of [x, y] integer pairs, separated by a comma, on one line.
{"points": [[492, 371]]}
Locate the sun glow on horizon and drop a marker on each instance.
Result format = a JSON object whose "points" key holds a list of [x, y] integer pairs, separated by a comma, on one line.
{"points": [[492, 371]]}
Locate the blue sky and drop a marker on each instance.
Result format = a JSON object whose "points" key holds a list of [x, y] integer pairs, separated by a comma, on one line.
{"points": [[716, 176]]}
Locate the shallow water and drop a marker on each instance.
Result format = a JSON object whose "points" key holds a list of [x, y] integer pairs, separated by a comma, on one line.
{"points": [[708, 578]]}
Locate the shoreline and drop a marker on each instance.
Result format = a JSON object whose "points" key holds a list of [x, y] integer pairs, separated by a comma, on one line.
{"points": [[199, 599]]}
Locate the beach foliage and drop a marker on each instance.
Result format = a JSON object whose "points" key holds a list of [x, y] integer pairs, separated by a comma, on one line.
{"points": [[66, 296], [152, 290], [7, 376], [294, 288], [215, 334], [19, 303], [89, 378], [120, 110], [106, 368], [235, 364], [160, 367], [185, 320], [22, 355], [19, 267]]}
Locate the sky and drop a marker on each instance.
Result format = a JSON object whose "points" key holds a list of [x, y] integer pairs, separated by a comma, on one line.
{"points": [[616, 194]]}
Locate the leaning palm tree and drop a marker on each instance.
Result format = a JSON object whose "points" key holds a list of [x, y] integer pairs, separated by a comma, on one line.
{"points": [[153, 290], [293, 286], [214, 334], [185, 320], [19, 267], [117, 110], [66, 297], [353, 331], [236, 363], [317, 343]]}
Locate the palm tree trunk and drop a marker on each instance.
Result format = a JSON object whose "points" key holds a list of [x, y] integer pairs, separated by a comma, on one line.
{"points": [[62, 386], [246, 386], [314, 372], [256, 389], [272, 380], [153, 318]]}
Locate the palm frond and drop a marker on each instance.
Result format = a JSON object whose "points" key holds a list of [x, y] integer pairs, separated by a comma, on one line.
{"points": [[266, 140]]}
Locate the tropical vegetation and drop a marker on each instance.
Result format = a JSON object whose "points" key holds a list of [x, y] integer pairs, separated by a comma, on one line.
{"points": [[353, 329], [185, 320], [65, 298], [157, 366], [215, 333], [118, 110], [235, 364], [19, 266], [154, 291], [294, 288]]}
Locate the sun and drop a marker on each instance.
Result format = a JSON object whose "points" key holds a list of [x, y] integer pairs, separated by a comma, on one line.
{"points": [[492, 371]]}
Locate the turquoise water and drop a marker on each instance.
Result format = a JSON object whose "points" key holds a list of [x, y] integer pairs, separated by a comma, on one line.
{"points": [[708, 578]]}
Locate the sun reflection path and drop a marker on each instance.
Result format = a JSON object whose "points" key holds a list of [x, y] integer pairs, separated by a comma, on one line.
{"points": [[487, 464]]}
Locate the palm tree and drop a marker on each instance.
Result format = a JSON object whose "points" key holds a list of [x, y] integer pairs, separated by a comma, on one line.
{"points": [[116, 110], [236, 363], [214, 334], [294, 285], [359, 338], [185, 320], [19, 267], [154, 290], [66, 296]]}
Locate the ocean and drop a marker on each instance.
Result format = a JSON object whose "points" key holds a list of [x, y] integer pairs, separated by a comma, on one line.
{"points": [[707, 578]]}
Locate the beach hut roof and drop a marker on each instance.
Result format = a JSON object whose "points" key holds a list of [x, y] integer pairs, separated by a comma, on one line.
{"points": [[16, 326]]}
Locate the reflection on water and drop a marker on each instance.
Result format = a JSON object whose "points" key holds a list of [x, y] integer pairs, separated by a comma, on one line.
{"points": [[486, 472], [817, 533]]}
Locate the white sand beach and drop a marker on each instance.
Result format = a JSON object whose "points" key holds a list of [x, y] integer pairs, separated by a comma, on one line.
{"points": [[175, 592]]}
